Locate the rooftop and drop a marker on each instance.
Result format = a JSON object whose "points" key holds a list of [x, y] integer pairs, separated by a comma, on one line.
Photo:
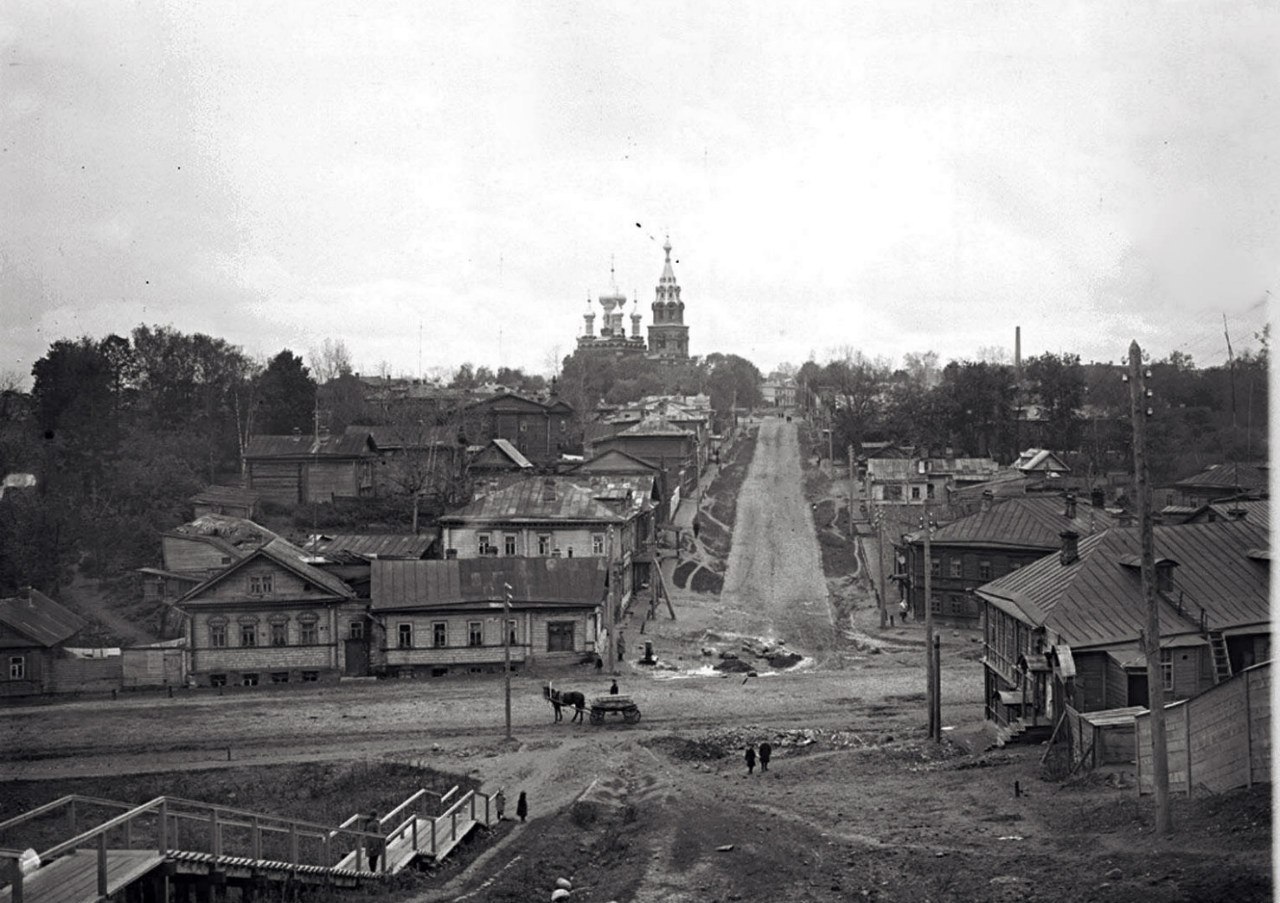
{"points": [[533, 581]]}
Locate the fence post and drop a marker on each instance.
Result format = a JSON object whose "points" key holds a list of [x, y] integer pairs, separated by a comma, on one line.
{"points": [[473, 806], [15, 887], [435, 824], [257, 838], [1248, 732], [102, 866], [293, 843], [71, 817], [215, 834], [128, 834], [415, 833], [164, 827], [453, 818], [328, 849]]}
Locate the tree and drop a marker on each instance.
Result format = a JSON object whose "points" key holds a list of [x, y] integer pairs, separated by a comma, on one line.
{"points": [[975, 404], [731, 380], [286, 396], [922, 368], [1058, 384], [332, 360]]}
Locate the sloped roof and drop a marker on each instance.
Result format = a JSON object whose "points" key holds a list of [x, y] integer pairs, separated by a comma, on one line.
{"points": [[504, 454], [1256, 511], [400, 585], [1027, 522], [36, 616], [1098, 600], [234, 535], [510, 400], [355, 442], [655, 426], [615, 460], [288, 556], [389, 437], [225, 495], [1039, 459], [1227, 477], [538, 499], [372, 545]]}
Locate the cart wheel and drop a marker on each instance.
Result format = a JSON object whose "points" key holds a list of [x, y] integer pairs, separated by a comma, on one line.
{"points": [[597, 716], [631, 716]]}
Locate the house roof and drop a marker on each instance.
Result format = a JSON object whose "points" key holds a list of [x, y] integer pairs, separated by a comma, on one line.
{"points": [[615, 460], [1039, 459], [1097, 600], [653, 425], [537, 499], [288, 556], [36, 616], [1226, 477], [354, 442], [372, 545], [225, 495], [400, 585], [1027, 522], [396, 437], [234, 535], [502, 454], [510, 401]]}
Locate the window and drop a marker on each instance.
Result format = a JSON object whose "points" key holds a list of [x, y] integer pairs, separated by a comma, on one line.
{"points": [[930, 493], [513, 636], [475, 633], [217, 633], [355, 630], [935, 567], [279, 677], [404, 636], [560, 636], [1166, 669], [597, 544], [915, 492], [248, 680], [509, 544], [955, 605], [308, 633], [439, 634], [279, 634], [248, 635], [310, 677], [482, 543], [17, 667], [955, 566], [984, 570], [260, 584], [544, 544], [935, 603], [568, 553], [217, 680], [226, 559]]}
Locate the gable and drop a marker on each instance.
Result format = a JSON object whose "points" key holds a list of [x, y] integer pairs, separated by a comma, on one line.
{"points": [[510, 404], [291, 577], [615, 460]]}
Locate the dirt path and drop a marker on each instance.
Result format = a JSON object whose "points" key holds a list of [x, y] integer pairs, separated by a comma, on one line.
{"points": [[774, 568]]}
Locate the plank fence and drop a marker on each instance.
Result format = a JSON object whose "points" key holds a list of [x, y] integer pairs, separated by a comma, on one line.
{"points": [[1216, 741]]}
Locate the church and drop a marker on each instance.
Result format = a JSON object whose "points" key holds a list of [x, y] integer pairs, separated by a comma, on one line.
{"points": [[668, 336]]}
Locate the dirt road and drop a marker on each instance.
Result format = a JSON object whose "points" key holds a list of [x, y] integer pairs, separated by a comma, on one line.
{"points": [[775, 571]]}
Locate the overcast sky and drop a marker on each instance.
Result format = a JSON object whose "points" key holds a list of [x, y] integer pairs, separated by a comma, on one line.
{"points": [[890, 176]]}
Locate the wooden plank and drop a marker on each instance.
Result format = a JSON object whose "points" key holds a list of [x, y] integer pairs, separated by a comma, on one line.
{"points": [[74, 878]]}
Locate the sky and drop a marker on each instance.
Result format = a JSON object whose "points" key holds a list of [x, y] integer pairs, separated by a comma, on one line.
{"points": [[434, 183]]}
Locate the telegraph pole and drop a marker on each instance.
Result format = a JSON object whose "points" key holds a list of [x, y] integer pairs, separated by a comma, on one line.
{"points": [[506, 649], [610, 603], [851, 534], [880, 560], [931, 665], [1155, 680]]}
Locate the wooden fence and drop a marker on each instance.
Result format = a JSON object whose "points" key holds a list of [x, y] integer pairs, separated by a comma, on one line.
{"points": [[1216, 741]]}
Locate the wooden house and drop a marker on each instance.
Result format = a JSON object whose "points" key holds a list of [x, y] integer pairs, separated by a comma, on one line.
{"points": [[1000, 537], [1066, 629], [673, 448], [1216, 482], [1041, 462], [498, 464], [289, 470], [542, 432], [234, 501], [34, 632], [620, 463], [273, 616], [195, 551], [433, 618]]}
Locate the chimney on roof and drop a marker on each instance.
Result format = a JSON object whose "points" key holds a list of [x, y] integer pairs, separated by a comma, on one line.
{"points": [[987, 498], [1237, 513], [1098, 498], [1070, 505], [549, 490], [1070, 547]]}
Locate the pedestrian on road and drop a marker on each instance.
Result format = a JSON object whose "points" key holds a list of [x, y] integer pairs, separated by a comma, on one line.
{"points": [[613, 689], [522, 806], [599, 662], [905, 609], [751, 760], [765, 752], [697, 528], [622, 647], [500, 803], [372, 844]]}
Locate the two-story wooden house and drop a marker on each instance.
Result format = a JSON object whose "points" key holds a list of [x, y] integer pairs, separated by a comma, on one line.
{"points": [[1066, 630], [273, 616], [542, 432], [433, 618], [300, 468], [1002, 536], [673, 448]]}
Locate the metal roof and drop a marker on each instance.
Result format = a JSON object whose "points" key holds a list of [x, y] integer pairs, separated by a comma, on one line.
{"points": [[1097, 600], [355, 442], [369, 545], [615, 460], [389, 437], [1039, 459], [39, 618], [513, 453], [538, 499], [400, 585], [1226, 477], [1025, 522], [288, 556]]}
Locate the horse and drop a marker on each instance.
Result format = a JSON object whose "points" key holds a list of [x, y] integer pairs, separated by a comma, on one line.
{"points": [[558, 698]]}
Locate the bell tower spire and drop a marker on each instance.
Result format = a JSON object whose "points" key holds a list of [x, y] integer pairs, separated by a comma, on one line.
{"points": [[668, 336]]}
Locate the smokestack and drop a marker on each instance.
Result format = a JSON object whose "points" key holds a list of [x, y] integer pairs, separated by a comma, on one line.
{"points": [[1070, 547], [1070, 505], [1098, 498], [1017, 351]]}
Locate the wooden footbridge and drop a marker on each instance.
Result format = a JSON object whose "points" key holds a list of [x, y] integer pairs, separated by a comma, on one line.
{"points": [[171, 850]]}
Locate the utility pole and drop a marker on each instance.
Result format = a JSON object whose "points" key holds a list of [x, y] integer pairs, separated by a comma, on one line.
{"points": [[851, 533], [880, 559], [1139, 410], [506, 649], [610, 603], [931, 664]]}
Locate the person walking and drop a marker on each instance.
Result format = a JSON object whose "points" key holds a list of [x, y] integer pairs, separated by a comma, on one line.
{"points": [[765, 752], [500, 803], [613, 688], [522, 806], [751, 759], [372, 840], [697, 528]]}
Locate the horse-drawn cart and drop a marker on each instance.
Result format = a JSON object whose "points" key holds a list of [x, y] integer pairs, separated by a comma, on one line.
{"points": [[622, 705]]}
